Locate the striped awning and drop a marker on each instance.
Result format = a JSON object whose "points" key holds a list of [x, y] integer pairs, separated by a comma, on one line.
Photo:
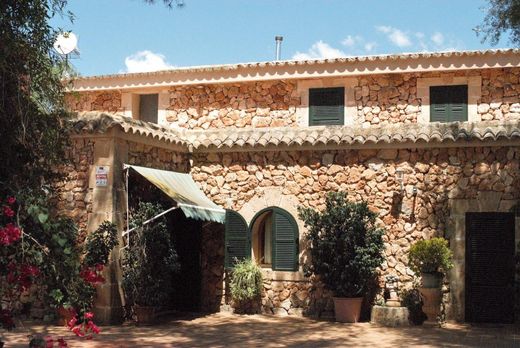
{"points": [[185, 192]]}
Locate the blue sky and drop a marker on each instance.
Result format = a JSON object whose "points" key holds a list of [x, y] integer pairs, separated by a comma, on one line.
{"points": [[129, 35]]}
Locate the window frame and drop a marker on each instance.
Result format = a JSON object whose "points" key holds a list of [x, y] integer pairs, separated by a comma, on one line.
{"points": [[448, 102], [340, 90], [474, 84]]}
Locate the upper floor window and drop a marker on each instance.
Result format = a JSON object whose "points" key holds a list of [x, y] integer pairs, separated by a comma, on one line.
{"points": [[326, 106], [148, 107], [449, 103]]}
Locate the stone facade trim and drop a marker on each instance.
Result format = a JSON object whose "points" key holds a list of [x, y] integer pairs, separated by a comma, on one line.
{"points": [[307, 69], [474, 94]]}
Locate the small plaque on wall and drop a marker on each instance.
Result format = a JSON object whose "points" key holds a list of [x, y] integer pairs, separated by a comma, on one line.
{"points": [[101, 176]]}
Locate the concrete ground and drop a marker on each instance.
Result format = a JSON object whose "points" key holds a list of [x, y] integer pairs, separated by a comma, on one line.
{"points": [[227, 330]]}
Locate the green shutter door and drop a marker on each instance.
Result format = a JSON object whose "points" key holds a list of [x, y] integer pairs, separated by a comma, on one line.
{"points": [[237, 240], [326, 106], [285, 241], [449, 103]]}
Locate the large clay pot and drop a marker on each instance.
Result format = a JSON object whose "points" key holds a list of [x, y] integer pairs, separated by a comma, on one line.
{"points": [[64, 315], [347, 310], [431, 302], [145, 315], [431, 280]]}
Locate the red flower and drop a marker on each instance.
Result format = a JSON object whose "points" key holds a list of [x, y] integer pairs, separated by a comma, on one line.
{"points": [[95, 329], [91, 276], [11, 200], [9, 234], [8, 211], [62, 343], [77, 330], [72, 322], [99, 267], [89, 315], [49, 342]]}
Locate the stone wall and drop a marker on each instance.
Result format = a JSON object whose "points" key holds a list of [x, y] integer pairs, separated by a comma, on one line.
{"points": [[157, 158], [260, 104], [74, 195], [379, 100], [439, 175], [500, 94], [109, 101]]}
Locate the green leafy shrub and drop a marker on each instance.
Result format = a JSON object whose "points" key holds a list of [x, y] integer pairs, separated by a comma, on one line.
{"points": [[345, 245], [246, 281], [100, 243], [150, 262], [430, 256]]}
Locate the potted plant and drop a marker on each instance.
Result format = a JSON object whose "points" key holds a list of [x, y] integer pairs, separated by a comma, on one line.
{"points": [[431, 259], [346, 248], [246, 285], [149, 263]]}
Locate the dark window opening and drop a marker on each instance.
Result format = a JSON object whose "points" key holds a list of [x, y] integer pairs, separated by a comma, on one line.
{"points": [[326, 106], [449, 103], [149, 107]]}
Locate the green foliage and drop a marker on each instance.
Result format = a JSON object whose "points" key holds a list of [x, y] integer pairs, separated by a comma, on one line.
{"points": [[99, 244], [503, 17], [346, 247], [31, 103], [430, 256], [150, 261], [246, 281]]}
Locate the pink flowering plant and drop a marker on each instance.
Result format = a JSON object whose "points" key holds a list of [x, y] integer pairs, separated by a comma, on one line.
{"points": [[42, 255]]}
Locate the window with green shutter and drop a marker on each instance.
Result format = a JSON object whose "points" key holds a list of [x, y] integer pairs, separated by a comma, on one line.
{"points": [[449, 103], [237, 239], [285, 241], [326, 106], [272, 236]]}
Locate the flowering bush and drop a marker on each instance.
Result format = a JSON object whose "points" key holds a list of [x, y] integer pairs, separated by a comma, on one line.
{"points": [[37, 248]]}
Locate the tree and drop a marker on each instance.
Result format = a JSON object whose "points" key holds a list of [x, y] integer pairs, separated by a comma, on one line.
{"points": [[503, 16]]}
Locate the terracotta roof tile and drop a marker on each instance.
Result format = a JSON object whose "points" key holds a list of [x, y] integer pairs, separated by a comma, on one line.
{"points": [[227, 138]]}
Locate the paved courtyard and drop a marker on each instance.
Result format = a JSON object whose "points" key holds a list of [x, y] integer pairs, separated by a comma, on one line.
{"points": [[227, 330]]}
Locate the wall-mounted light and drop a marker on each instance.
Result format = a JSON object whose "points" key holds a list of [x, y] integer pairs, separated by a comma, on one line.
{"points": [[399, 177]]}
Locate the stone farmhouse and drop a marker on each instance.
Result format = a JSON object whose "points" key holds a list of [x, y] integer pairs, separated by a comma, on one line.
{"points": [[430, 140]]}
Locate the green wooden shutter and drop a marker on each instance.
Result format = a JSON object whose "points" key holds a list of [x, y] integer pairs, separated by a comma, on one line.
{"points": [[285, 241], [438, 104], [449, 103], [237, 239], [326, 106], [458, 96]]}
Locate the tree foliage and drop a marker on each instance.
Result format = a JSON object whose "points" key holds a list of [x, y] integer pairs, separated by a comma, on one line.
{"points": [[503, 16]]}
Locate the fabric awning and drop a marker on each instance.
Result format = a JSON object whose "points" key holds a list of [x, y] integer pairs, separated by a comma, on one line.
{"points": [[183, 190]]}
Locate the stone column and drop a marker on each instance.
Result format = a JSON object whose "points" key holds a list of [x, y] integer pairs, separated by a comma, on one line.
{"points": [[108, 203]]}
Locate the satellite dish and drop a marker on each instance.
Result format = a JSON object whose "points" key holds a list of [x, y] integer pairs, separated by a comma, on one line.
{"points": [[66, 43]]}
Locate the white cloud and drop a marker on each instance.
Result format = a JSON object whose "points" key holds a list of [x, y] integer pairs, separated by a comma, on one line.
{"points": [[438, 38], [396, 36], [319, 50], [369, 46], [145, 61], [351, 41]]}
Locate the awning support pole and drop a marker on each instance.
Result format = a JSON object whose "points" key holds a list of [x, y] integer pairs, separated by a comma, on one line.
{"points": [[149, 220]]}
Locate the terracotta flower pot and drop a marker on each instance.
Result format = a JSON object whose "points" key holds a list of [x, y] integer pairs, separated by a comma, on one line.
{"points": [[431, 302], [431, 280], [64, 315], [145, 315], [346, 309]]}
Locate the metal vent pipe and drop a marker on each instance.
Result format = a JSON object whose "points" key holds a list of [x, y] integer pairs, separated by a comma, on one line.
{"points": [[278, 40]]}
